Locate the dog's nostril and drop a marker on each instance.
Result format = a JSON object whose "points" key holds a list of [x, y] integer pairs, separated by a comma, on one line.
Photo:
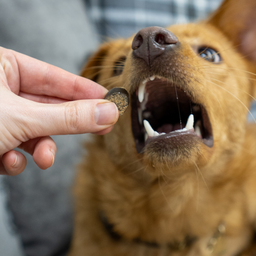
{"points": [[166, 38], [160, 39], [137, 43]]}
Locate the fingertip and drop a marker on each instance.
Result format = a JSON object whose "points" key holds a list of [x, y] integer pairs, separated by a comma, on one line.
{"points": [[44, 153], [14, 162], [43, 158], [105, 131], [106, 113], [53, 156]]}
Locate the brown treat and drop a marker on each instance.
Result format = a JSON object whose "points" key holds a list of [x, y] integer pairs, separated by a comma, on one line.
{"points": [[120, 97]]}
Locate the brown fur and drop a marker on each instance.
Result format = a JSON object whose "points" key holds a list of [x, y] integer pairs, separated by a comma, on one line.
{"points": [[169, 192]]}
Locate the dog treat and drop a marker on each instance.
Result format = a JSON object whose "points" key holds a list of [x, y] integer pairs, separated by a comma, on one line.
{"points": [[120, 97]]}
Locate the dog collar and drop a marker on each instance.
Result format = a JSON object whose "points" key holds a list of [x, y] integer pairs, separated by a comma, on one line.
{"points": [[174, 246]]}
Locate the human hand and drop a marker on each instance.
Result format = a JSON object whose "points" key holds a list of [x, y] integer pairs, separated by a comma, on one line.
{"points": [[38, 100]]}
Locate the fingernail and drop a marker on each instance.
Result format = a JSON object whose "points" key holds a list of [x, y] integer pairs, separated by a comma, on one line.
{"points": [[15, 161], [53, 156], [106, 113]]}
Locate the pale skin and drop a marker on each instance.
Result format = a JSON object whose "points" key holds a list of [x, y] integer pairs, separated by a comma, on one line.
{"points": [[38, 100]]}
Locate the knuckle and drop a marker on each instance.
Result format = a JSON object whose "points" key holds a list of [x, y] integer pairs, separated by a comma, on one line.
{"points": [[72, 119], [6, 58]]}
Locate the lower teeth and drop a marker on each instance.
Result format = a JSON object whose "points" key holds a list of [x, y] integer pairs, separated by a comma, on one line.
{"points": [[198, 129], [150, 132]]}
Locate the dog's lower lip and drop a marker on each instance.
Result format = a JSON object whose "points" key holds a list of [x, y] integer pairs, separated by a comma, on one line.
{"points": [[176, 137]]}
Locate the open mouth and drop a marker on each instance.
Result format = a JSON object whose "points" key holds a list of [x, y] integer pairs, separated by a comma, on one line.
{"points": [[162, 110]]}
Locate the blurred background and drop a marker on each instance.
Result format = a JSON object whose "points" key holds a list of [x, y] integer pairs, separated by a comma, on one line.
{"points": [[36, 206]]}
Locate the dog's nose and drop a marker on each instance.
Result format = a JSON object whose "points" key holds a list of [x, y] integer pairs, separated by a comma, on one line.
{"points": [[152, 42]]}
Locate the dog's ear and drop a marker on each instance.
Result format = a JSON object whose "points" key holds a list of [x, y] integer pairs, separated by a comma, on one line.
{"points": [[91, 70], [237, 20]]}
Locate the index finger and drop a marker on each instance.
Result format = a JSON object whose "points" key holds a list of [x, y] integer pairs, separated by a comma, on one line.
{"points": [[40, 78]]}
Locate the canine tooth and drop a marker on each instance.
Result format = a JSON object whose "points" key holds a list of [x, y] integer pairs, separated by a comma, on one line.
{"points": [[149, 129], [190, 122], [140, 115], [146, 136], [198, 129], [141, 91], [152, 78], [156, 133], [181, 130]]}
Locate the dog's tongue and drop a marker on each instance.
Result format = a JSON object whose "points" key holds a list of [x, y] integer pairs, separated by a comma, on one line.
{"points": [[167, 128]]}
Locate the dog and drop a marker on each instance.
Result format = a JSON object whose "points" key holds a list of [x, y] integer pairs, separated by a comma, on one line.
{"points": [[177, 174]]}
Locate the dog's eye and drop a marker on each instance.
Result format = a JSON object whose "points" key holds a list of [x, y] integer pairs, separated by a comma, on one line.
{"points": [[119, 66], [210, 55]]}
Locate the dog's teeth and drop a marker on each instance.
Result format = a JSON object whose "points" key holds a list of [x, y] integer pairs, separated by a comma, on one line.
{"points": [[141, 91], [145, 136], [198, 129], [156, 133], [152, 78], [149, 129], [140, 115], [190, 122]]}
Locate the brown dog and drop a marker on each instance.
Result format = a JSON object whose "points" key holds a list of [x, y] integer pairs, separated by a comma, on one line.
{"points": [[177, 174]]}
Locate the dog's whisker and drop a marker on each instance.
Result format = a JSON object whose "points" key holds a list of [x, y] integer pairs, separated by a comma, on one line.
{"points": [[177, 98], [197, 188], [236, 99], [215, 96], [230, 68], [199, 171], [209, 70], [138, 170], [100, 67], [243, 91], [164, 176], [168, 203], [233, 75], [132, 163], [171, 176], [110, 82]]}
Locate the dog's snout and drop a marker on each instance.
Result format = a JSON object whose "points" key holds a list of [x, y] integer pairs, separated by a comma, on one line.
{"points": [[152, 42]]}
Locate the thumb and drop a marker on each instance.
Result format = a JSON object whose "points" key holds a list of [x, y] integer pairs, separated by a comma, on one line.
{"points": [[82, 116]]}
